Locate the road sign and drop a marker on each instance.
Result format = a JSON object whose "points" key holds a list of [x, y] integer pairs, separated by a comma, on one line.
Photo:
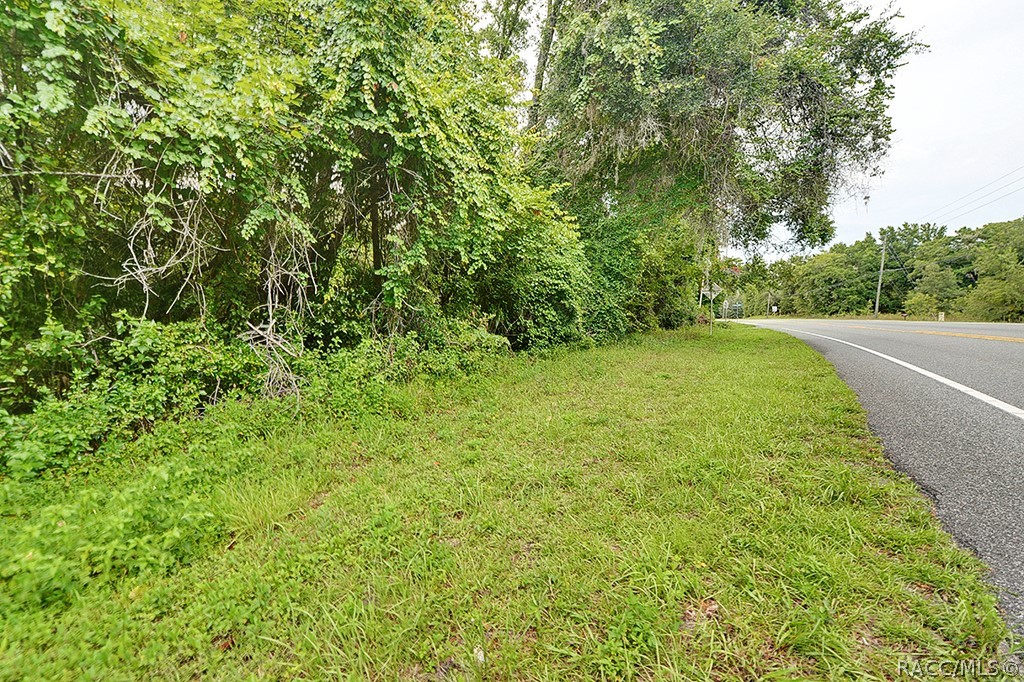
{"points": [[711, 292]]}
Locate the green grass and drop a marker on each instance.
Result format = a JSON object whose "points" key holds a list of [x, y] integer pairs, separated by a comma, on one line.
{"points": [[678, 507]]}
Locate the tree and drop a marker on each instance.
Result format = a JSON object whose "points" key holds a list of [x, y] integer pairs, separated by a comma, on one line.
{"points": [[548, 28], [769, 114], [308, 172], [509, 22], [997, 265], [939, 283], [978, 272]]}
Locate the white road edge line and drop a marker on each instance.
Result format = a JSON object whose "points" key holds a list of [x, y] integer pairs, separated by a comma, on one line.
{"points": [[983, 397]]}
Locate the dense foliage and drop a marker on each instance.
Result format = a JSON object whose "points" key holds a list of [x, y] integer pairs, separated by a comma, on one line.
{"points": [[768, 106], [683, 125], [201, 198], [976, 272]]}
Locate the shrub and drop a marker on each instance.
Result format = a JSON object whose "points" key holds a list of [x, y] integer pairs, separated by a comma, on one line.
{"points": [[364, 380], [149, 372]]}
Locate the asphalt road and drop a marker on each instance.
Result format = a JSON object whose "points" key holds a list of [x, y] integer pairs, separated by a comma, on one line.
{"points": [[967, 454]]}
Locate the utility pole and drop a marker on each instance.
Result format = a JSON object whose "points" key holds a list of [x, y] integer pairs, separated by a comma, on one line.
{"points": [[881, 269]]}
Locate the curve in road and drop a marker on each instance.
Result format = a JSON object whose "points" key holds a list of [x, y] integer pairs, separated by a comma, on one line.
{"points": [[947, 401]]}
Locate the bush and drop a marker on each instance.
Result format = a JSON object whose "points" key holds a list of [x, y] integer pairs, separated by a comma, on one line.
{"points": [[364, 379], [165, 515], [676, 308], [148, 373], [57, 433], [456, 347], [41, 365], [535, 292]]}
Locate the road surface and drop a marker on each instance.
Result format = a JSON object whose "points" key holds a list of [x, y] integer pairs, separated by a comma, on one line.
{"points": [[957, 428]]}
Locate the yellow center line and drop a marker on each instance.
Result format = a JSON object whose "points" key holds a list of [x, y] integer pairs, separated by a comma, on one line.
{"points": [[1011, 339]]}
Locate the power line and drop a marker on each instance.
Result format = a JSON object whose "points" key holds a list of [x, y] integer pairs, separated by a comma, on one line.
{"points": [[988, 194], [1019, 189], [971, 193]]}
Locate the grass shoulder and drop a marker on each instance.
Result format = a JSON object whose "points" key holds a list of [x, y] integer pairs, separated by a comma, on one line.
{"points": [[675, 507]]}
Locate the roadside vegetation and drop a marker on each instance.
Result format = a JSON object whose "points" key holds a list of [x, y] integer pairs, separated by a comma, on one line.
{"points": [[654, 509], [973, 274], [201, 199], [319, 353]]}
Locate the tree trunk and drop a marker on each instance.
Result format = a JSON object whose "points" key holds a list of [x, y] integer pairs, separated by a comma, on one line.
{"points": [[378, 241], [547, 37]]}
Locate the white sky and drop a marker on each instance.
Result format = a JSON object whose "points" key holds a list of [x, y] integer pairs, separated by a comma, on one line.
{"points": [[959, 118]]}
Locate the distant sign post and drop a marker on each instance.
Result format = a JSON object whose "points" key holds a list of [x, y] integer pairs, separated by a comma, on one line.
{"points": [[710, 291]]}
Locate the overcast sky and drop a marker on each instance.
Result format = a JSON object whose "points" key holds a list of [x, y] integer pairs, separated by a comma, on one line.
{"points": [[959, 118]]}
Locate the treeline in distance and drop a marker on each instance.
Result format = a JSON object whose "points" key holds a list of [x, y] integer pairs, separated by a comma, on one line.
{"points": [[974, 273]]}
